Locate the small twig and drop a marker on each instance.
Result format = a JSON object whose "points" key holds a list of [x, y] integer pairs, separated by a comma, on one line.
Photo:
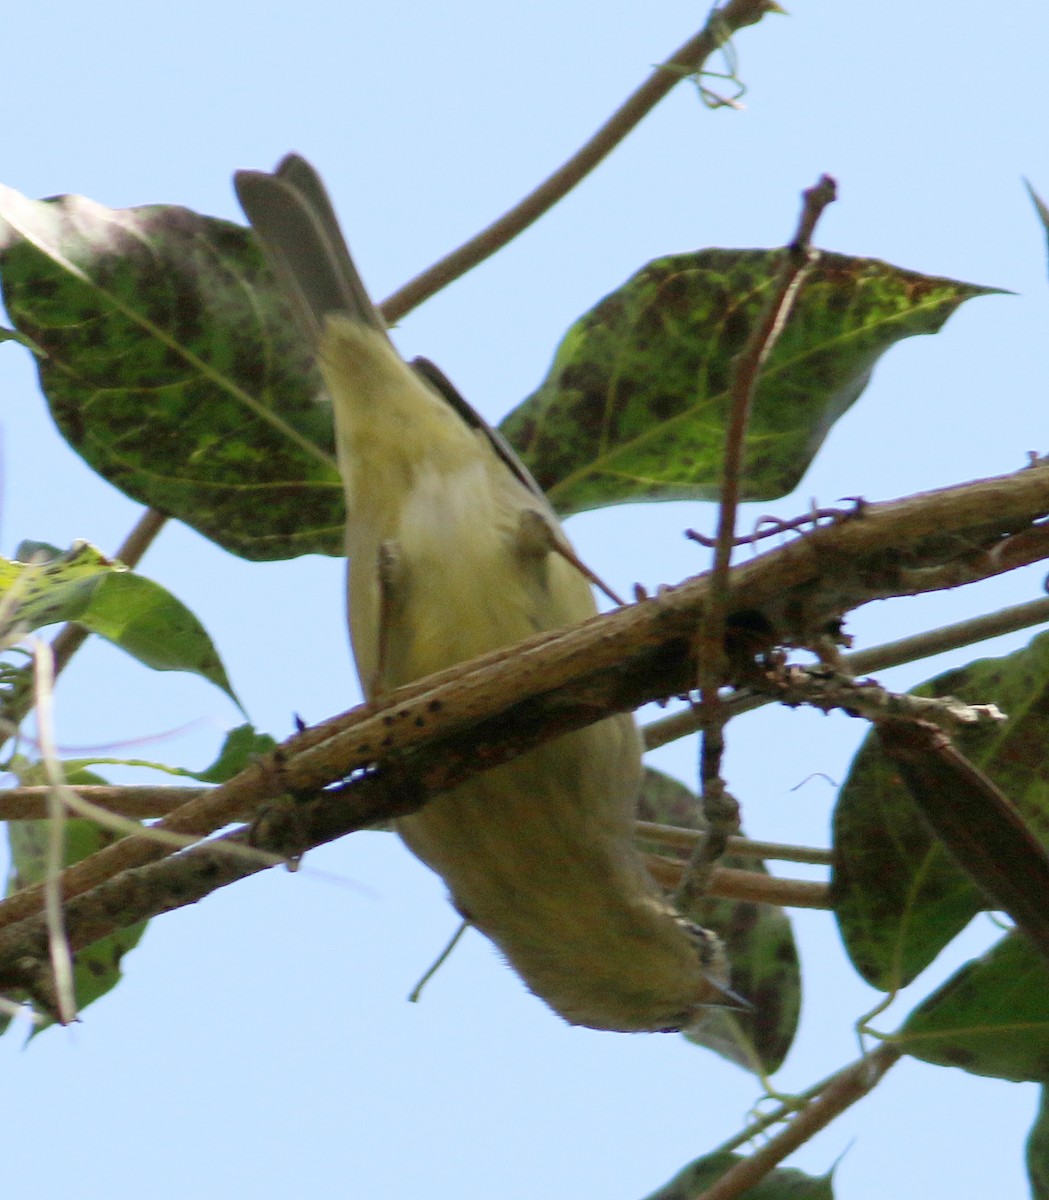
{"points": [[766, 527], [136, 802], [720, 809], [948, 637], [729, 883], [799, 261], [673, 836], [844, 1089], [826, 689], [687, 60], [878, 658]]}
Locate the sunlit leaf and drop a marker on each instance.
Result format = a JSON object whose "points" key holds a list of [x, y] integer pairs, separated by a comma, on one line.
{"points": [[990, 1018], [132, 612], [635, 404], [759, 942], [899, 896]]}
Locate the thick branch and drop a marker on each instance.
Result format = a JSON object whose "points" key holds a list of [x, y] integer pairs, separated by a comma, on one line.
{"points": [[436, 733]]}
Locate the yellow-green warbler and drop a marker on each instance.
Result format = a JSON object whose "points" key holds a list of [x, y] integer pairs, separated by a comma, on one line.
{"points": [[453, 552]]}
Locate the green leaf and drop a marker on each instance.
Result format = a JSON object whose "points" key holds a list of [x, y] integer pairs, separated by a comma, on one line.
{"points": [[899, 896], [97, 968], [990, 1018], [132, 612], [759, 942], [1040, 207], [242, 746], [1038, 1152], [636, 402], [171, 364], [144, 619], [784, 1183]]}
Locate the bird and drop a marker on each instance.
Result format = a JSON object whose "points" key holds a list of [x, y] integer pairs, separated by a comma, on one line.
{"points": [[453, 551]]}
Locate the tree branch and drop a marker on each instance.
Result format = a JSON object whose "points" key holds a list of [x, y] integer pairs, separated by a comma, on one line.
{"points": [[432, 735], [844, 1089], [686, 60], [287, 830], [878, 658]]}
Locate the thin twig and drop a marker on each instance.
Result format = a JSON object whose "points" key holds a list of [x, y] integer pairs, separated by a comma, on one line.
{"points": [[675, 836], [827, 689], [137, 802], [948, 637], [686, 61], [720, 809], [729, 883], [877, 658], [799, 261]]}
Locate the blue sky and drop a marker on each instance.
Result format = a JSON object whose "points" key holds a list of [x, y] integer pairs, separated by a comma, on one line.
{"points": [[260, 1043]]}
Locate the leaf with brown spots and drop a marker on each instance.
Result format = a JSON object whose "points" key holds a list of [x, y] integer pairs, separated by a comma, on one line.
{"points": [[899, 895], [637, 399], [171, 365]]}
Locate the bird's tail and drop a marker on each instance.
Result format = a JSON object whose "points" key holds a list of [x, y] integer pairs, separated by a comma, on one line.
{"points": [[293, 217]]}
